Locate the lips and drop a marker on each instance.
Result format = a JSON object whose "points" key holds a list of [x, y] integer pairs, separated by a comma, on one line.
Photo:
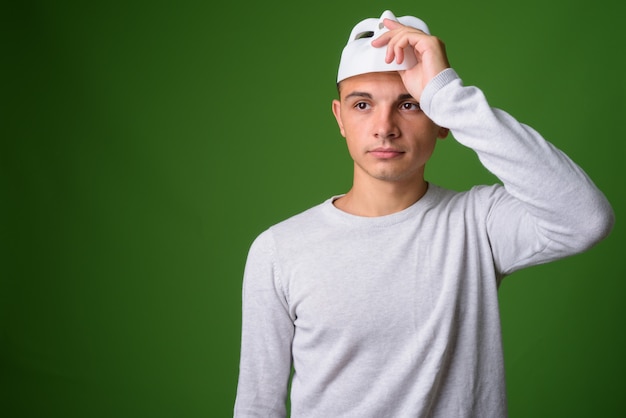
{"points": [[386, 153]]}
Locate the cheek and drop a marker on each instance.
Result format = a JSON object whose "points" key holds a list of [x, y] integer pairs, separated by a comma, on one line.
{"points": [[354, 128], [356, 148]]}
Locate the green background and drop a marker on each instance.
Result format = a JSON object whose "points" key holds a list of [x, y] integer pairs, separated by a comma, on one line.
{"points": [[145, 144]]}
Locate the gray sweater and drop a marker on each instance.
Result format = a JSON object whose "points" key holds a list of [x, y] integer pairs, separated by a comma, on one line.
{"points": [[397, 316]]}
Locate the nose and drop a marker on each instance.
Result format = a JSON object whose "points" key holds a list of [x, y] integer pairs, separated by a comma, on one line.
{"points": [[386, 127]]}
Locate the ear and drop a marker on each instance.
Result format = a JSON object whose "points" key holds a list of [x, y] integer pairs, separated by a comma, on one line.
{"points": [[337, 113], [443, 133]]}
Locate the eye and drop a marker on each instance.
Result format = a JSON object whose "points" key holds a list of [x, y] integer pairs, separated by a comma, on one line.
{"points": [[410, 106], [361, 106]]}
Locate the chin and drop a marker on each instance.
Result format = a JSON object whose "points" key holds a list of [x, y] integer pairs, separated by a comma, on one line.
{"points": [[405, 174], [393, 177]]}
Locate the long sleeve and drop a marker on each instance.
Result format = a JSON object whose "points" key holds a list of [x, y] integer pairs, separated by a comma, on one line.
{"points": [[267, 333], [551, 209]]}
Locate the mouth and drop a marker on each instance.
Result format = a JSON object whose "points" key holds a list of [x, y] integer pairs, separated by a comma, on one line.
{"points": [[386, 153]]}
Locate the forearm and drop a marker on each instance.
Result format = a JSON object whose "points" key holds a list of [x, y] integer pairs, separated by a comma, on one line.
{"points": [[561, 199]]}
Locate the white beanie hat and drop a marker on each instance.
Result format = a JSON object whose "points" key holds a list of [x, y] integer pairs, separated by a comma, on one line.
{"points": [[360, 57]]}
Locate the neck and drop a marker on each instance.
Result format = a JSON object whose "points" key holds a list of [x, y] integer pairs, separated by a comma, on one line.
{"points": [[380, 198]]}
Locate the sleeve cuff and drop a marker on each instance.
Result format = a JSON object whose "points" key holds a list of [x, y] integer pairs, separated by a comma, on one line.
{"points": [[434, 85]]}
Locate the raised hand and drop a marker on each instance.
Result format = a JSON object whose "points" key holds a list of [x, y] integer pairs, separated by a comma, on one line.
{"points": [[429, 50]]}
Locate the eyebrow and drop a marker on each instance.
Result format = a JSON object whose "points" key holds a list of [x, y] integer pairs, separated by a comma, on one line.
{"points": [[405, 97], [369, 96], [359, 94]]}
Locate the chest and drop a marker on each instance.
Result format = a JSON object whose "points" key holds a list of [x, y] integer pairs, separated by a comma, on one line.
{"points": [[379, 284]]}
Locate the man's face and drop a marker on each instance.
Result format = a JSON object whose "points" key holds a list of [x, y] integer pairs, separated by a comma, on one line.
{"points": [[388, 136]]}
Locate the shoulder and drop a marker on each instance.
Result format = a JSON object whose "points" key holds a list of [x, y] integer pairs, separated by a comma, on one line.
{"points": [[294, 226], [308, 218]]}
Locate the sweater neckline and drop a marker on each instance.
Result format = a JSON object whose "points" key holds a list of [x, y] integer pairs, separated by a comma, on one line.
{"points": [[410, 212]]}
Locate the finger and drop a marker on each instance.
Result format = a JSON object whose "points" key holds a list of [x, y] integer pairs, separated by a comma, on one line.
{"points": [[383, 39], [399, 53], [392, 24], [396, 46]]}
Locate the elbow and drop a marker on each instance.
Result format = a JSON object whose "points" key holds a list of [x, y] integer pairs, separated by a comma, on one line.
{"points": [[596, 225]]}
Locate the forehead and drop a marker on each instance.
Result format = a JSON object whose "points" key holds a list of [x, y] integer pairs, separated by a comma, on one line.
{"points": [[376, 84]]}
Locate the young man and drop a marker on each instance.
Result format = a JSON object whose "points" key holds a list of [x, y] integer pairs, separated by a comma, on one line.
{"points": [[384, 300]]}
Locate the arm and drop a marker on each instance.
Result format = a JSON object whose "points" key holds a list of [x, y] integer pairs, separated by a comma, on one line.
{"points": [[267, 332], [551, 208]]}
